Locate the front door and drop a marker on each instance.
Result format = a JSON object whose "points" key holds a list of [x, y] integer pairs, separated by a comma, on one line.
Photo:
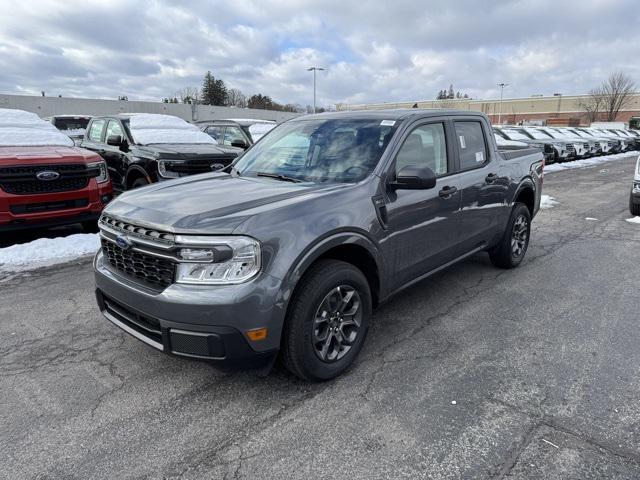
{"points": [[114, 156], [422, 224]]}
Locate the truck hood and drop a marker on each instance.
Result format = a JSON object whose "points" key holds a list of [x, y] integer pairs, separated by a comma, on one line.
{"points": [[214, 203], [42, 155], [186, 150]]}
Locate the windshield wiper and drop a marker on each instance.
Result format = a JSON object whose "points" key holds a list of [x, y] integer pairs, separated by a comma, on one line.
{"points": [[279, 176]]}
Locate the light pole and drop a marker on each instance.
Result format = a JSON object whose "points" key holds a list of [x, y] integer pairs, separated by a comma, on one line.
{"points": [[501, 85], [314, 69]]}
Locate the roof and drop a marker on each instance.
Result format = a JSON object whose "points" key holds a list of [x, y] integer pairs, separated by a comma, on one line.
{"points": [[391, 114]]}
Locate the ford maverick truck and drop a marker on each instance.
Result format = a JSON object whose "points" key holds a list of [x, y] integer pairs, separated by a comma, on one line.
{"points": [[290, 249]]}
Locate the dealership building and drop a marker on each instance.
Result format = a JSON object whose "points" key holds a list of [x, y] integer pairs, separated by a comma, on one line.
{"points": [[535, 109]]}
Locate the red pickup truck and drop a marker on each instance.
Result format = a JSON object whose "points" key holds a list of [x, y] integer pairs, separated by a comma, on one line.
{"points": [[44, 179]]}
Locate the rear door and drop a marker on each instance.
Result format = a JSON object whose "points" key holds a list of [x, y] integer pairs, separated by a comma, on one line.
{"points": [[483, 181], [422, 224]]}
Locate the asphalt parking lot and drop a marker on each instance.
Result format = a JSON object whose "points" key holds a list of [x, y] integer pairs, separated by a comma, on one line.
{"points": [[474, 373]]}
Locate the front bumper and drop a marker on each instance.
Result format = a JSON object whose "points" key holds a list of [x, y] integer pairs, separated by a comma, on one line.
{"points": [[197, 321], [20, 212]]}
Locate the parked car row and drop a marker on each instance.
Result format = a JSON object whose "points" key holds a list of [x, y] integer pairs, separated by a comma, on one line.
{"points": [[561, 144], [64, 169]]}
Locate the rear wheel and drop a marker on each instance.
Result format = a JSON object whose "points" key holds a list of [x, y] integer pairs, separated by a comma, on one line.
{"points": [[327, 321], [515, 241]]}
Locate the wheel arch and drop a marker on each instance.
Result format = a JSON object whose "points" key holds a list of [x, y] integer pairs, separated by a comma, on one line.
{"points": [[134, 172]]}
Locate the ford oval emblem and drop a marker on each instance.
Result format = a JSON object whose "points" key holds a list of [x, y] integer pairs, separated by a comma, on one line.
{"points": [[47, 175], [123, 242]]}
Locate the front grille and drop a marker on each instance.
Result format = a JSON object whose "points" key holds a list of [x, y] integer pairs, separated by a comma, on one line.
{"points": [[571, 148], [150, 269], [22, 180], [136, 230], [199, 165], [48, 206], [597, 145], [586, 145]]}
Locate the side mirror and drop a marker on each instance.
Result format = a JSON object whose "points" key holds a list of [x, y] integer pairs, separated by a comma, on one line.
{"points": [[240, 144], [115, 140], [415, 177]]}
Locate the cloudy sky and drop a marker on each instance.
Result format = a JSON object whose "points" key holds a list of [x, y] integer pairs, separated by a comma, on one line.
{"points": [[373, 51]]}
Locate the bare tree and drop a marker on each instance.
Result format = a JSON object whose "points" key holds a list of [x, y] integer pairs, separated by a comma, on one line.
{"points": [[618, 91], [235, 98], [188, 95], [593, 104]]}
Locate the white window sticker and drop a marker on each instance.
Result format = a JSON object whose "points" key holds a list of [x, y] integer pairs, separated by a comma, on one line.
{"points": [[479, 157], [388, 123], [463, 144]]}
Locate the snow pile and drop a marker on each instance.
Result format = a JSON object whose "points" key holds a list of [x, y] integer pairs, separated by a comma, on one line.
{"points": [[634, 220], [19, 128], [586, 162], [150, 128], [47, 251], [258, 130], [547, 201], [501, 142]]}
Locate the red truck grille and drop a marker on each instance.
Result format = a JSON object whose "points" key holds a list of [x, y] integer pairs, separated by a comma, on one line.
{"points": [[23, 180]]}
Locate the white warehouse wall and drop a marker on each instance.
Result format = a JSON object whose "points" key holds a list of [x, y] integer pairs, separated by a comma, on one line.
{"points": [[48, 106]]}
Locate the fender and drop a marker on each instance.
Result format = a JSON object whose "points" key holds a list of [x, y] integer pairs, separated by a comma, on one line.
{"points": [[137, 168], [327, 242]]}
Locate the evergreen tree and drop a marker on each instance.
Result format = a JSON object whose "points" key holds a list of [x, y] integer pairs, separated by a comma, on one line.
{"points": [[214, 92]]}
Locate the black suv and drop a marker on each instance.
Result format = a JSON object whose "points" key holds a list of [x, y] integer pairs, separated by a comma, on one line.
{"points": [[163, 147]]}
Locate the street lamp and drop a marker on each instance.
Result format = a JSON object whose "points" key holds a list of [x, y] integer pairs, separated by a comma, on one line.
{"points": [[501, 85], [314, 69]]}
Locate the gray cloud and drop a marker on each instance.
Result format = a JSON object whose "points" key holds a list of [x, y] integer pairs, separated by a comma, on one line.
{"points": [[373, 51]]}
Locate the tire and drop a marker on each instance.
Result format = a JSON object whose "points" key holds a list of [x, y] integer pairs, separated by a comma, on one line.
{"points": [[318, 296], [634, 208], [139, 182], [515, 241], [90, 226]]}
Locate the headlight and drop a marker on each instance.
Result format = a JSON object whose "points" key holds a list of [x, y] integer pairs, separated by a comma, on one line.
{"points": [[164, 173], [217, 260], [103, 176]]}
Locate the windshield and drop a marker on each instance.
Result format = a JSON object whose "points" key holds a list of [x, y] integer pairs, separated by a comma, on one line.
{"points": [[579, 133], [516, 135], [566, 133], [20, 128], [151, 128], [539, 134], [319, 150]]}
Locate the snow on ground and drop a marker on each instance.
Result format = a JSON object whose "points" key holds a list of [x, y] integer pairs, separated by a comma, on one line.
{"points": [[47, 251], [634, 220], [586, 162], [547, 201]]}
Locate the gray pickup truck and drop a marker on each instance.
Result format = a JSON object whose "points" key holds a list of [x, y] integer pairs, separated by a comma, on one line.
{"points": [[291, 248]]}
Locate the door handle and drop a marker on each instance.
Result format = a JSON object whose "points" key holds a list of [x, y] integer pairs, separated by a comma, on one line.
{"points": [[492, 177], [447, 191]]}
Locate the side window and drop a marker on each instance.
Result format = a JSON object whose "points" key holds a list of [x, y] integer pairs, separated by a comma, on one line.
{"points": [[426, 145], [113, 128], [232, 134], [95, 132], [473, 149], [215, 133]]}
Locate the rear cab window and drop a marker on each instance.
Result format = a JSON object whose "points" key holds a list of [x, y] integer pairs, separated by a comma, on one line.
{"points": [[472, 144]]}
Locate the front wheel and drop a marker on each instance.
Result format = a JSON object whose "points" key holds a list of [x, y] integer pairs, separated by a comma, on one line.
{"points": [[515, 241], [327, 321]]}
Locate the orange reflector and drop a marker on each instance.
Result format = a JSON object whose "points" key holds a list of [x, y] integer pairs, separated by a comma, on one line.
{"points": [[257, 334]]}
